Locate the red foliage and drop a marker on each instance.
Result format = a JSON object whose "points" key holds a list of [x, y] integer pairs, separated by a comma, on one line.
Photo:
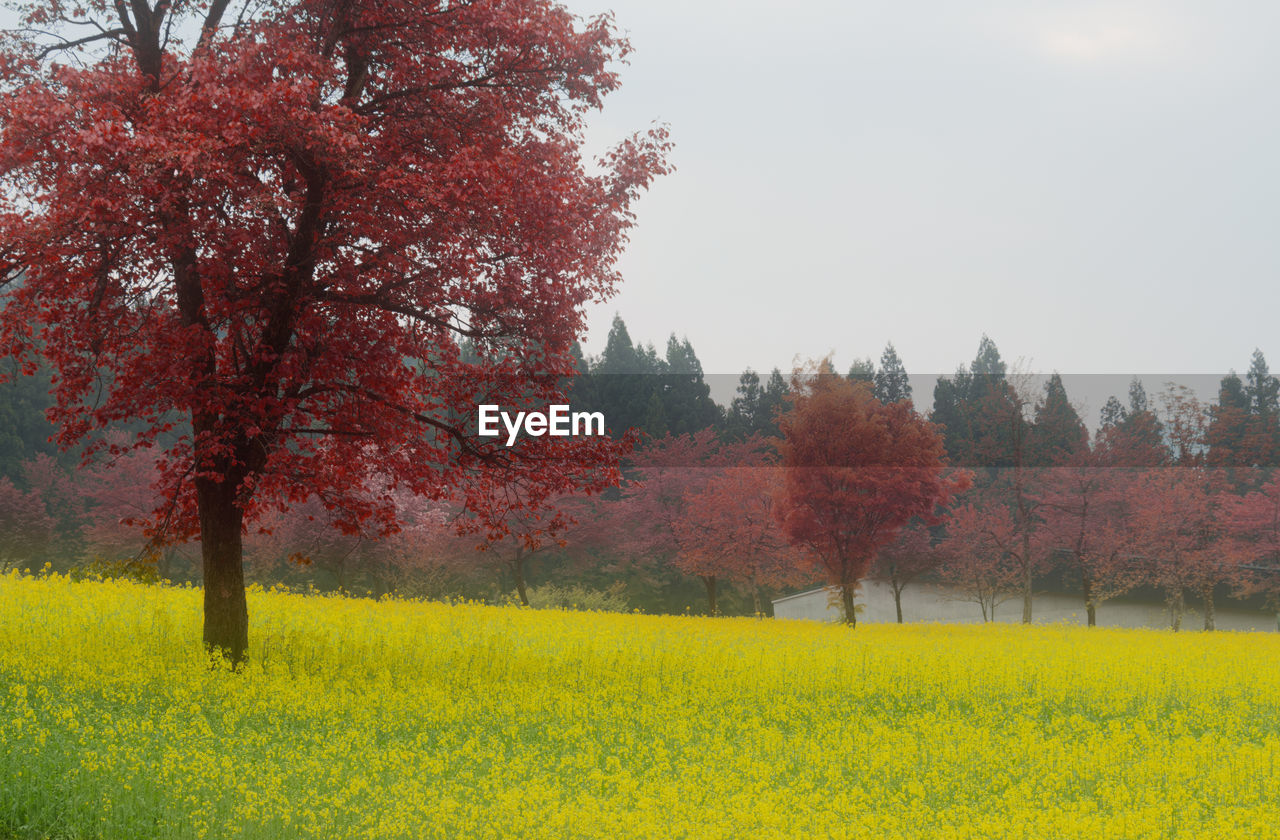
{"points": [[1180, 536], [649, 522], [25, 525], [118, 499], [905, 559], [856, 472], [1137, 442], [1083, 508], [275, 235], [305, 534], [1254, 522], [979, 556], [730, 531]]}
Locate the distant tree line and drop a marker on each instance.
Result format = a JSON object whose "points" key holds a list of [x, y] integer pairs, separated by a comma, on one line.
{"points": [[1167, 495]]}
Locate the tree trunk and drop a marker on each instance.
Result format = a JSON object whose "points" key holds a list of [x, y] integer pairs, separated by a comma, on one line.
{"points": [[846, 598], [1026, 579], [517, 568], [1090, 606], [1024, 520], [1176, 606], [712, 607], [897, 600], [226, 614], [1208, 607]]}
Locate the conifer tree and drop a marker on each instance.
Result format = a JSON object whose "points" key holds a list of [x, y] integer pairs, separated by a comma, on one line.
{"points": [[862, 370], [772, 402], [891, 381], [1112, 414], [1058, 436], [745, 410], [686, 397], [1263, 389]]}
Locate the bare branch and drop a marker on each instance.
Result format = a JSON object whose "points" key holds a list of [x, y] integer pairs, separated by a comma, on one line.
{"points": [[212, 20], [69, 44]]}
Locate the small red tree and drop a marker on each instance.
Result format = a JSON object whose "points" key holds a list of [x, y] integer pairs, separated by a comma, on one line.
{"points": [[1254, 522], [308, 535], [1083, 508], [519, 523], [671, 473], [976, 559], [273, 235], [1179, 530], [303, 534], [905, 559], [63, 502], [25, 525], [856, 472], [118, 497], [1018, 489], [730, 531]]}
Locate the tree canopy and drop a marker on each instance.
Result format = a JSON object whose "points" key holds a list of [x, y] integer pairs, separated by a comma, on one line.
{"points": [[271, 234]]}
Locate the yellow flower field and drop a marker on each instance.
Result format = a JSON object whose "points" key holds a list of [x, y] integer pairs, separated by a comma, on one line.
{"points": [[359, 719]]}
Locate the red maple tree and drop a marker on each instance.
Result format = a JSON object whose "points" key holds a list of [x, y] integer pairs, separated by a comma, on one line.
{"points": [[25, 525], [976, 558], [911, 555], [271, 233], [730, 531], [651, 519], [856, 472], [117, 501], [517, 524], [1083, 508], [1180, 536], [1253, 521]]}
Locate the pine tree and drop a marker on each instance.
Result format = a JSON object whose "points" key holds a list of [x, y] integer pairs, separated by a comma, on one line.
{"points": [[947, 414], [1264, 394], [994, 410], [1263, 389], [746, 409], [988, 361], [619, 387], [891, 381], [1058, 436], [1137, 397], [1229, 422], [1112, 414], [862, 370], [654, 423], [772, 403], [686, 397], [619, 354]]}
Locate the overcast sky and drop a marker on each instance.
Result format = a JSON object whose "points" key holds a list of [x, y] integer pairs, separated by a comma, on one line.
{"points": [[1092, 184]]}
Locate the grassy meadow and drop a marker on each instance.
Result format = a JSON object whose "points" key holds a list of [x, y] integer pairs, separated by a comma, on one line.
{"points": [[359, 719]]}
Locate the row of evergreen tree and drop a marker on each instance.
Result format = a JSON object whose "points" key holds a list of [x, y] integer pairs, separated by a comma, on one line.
{"points": [[988, 418]]}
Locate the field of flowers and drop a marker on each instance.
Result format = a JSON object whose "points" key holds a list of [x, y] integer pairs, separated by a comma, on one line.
{"points": [[360, 719]]}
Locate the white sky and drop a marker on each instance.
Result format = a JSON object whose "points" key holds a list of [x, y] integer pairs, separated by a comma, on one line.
{"points": [[1092, 184]]}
